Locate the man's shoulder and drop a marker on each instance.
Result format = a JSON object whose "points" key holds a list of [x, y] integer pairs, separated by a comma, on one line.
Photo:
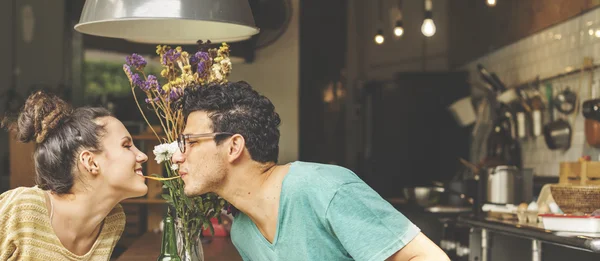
{"points": [[315, 182], [320, 175]]}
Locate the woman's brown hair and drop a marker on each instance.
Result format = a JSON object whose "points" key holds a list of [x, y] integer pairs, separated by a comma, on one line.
{"points": [[60, 132]]}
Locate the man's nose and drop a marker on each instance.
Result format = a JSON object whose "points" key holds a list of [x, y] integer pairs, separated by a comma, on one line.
{"points": [[178, 157]]}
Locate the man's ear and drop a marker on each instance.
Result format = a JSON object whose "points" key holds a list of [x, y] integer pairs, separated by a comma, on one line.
{"points": [[86, 158], [236, 146]]}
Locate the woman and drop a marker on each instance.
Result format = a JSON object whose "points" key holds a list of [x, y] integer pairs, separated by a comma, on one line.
{"points": [[85, 164]]}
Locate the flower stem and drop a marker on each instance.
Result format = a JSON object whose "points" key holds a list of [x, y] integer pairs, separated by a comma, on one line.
{"points": [[142, 112]]}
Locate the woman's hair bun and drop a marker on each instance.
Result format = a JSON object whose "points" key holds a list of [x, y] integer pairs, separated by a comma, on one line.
{"points": [[40, 116]]}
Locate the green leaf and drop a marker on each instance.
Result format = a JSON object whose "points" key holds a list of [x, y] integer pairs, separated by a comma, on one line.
{"points": [[207, 206], [167, 197]]}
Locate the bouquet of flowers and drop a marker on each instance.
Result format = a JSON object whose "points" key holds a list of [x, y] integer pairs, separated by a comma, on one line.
{"points": [[180, 70]]}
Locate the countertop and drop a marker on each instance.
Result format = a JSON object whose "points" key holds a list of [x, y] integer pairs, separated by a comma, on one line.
{"points": [[147, 247], [588, 242]]}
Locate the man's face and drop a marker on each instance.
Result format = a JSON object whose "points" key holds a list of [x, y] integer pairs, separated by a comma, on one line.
{"points": [[203, 165]]}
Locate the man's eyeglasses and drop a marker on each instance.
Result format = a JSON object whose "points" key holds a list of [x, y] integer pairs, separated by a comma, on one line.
{"points": [[182, 139]]}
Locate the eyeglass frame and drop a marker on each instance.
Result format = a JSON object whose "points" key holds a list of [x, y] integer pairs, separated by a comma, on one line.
{"points": [[181, 139]]}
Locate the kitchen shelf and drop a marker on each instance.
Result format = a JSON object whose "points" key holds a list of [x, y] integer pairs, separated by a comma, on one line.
{"points": [[557, 76], [536, 233]]}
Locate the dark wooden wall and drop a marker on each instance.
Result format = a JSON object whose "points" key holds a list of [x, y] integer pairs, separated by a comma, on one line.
{"points": [[476, 29], [322, 58]]}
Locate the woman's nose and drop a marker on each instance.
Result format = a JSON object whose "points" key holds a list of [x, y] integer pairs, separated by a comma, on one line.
{"points": [[141, 157]]}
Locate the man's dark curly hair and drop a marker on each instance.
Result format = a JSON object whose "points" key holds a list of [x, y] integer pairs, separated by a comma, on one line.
{"points": [[236, 108]]}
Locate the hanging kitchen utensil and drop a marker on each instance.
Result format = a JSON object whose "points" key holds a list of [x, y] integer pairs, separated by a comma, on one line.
{"points": [[537, 106], [557, 133], [495, 82], [591, 113], [498, 81], [522, 124], [566, 101]]}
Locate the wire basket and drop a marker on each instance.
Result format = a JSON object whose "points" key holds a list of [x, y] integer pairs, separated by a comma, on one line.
{"points": [[576, 198]]}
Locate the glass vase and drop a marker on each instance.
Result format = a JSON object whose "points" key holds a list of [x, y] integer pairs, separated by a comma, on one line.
{"points": [[193, 251]]}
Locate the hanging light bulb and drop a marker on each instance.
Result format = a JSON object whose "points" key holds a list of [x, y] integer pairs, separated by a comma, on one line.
{"points": [[428, 27], [491, 3], [398, 29], [379, 39]]}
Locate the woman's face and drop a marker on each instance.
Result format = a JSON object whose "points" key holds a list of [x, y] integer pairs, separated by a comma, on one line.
{"points": [[120, 161]]}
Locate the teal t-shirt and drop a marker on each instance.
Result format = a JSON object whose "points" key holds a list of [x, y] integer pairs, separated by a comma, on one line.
{"points": [[326, 212]]}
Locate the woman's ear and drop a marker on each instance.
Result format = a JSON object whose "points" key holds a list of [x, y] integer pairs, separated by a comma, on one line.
{"points": [[86, 158]]}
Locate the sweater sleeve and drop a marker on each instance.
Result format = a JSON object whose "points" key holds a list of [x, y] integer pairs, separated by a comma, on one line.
{"points": [[7, 223]]}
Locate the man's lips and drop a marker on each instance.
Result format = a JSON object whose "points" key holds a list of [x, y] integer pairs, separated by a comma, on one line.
{"points": [[138, 171], [182, 173]]}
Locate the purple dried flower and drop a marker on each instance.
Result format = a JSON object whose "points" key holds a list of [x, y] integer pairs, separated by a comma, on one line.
{"points": [[127, 71], [136, 61], [204, 62], [151, 82], [202, 56], [155, 100], [138, 81], [160, 90], [194, 59], [170, 57], [175, 94]]}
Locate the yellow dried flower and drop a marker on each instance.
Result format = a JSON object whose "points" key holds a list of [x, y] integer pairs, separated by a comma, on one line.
{"points": [[187, 69], [178, 49], [189, 78], [161, 49], [177, 82], [164, 73], [166, 87], [224, 50]]}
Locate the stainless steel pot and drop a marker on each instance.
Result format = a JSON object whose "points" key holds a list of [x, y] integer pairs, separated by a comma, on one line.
{"points": [[509, 185], [423, 196], [432, 196]]}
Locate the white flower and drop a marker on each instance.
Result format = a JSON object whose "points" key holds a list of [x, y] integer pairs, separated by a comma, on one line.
{"points": [[226, 63], [216, 72], [174, 167], [225, 66], [165, 151]]}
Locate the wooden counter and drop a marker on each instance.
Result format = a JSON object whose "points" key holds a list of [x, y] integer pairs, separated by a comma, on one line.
{"points": [[147, 247]]}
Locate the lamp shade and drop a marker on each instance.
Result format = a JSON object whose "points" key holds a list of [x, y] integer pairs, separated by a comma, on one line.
{"points": [[168, 21]]}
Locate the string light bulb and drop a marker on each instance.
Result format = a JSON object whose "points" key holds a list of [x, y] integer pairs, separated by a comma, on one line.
{"points": [[398, 29], [491, 3], [379, 39], [428, 27]]}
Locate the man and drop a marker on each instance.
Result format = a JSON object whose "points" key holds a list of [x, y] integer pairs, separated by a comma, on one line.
{"points": [[297, 211]]}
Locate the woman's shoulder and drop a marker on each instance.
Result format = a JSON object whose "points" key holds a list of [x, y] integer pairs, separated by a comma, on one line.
{"points": [[21, 204], [35, 190], [16, 196]]}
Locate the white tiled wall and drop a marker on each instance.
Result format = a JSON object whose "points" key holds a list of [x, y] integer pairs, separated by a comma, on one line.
{"points": [[551, 51]]}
